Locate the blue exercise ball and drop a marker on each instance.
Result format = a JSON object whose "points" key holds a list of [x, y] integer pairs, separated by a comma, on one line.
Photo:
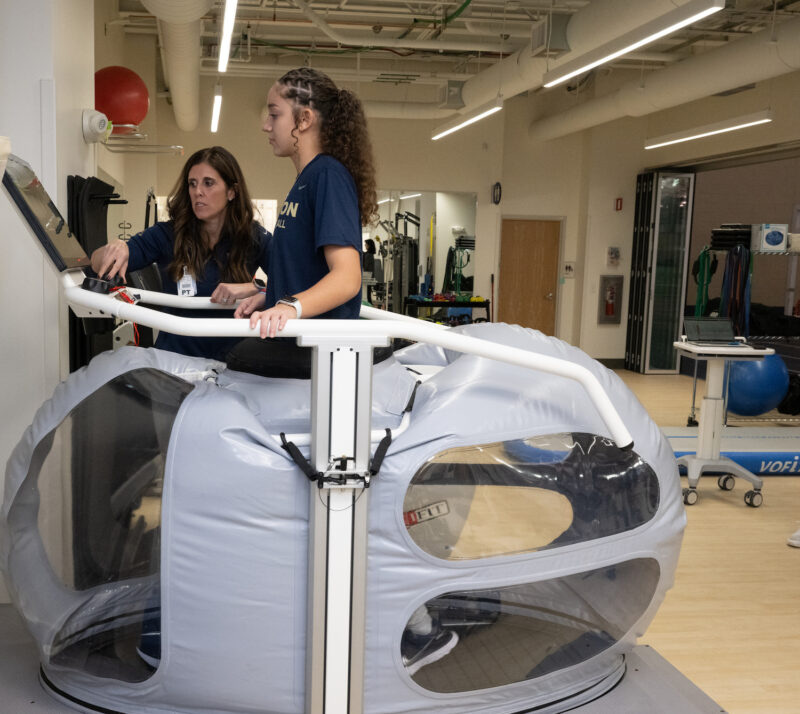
{"points": [[758, 386]]}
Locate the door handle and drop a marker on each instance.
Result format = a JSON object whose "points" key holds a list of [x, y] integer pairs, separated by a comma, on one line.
{"points": [[549, 296]]}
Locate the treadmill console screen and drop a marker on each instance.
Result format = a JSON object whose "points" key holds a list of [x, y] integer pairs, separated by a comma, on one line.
{"points": [[41, 213]]}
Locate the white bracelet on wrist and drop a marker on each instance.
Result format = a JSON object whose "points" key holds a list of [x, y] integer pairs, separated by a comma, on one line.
{"points": [[294, 302]]}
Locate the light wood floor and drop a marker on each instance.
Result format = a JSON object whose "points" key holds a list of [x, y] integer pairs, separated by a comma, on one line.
{"points": [[731, 623]]}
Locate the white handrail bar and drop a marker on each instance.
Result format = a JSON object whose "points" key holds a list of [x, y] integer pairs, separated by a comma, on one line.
{"points": [[373, 313], [203, 303], [151, 297], [352, 331]]}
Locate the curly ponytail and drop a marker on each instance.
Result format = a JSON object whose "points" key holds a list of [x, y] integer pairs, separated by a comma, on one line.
{"points": [[343, 129]]}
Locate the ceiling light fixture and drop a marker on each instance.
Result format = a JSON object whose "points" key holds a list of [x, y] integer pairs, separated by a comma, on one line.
{"points": [[410, 195], [721, 127], [227, 33], [216, 108], [384, 200], [693, 11], [469, 118]]}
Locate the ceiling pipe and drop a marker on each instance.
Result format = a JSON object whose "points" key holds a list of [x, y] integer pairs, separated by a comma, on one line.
{"points": [[405, 110], [521, 71], [179, 21], [405, 43], [396, 110], [515, 28], [594, 25], [752, 59], [622, 15]]}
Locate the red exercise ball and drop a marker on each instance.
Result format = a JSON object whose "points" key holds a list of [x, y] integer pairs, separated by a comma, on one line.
{"points": [[121, 95]]}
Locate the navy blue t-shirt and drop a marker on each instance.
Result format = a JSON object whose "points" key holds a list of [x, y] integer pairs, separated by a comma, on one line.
{"points": [[321, 209], [155, 245]]}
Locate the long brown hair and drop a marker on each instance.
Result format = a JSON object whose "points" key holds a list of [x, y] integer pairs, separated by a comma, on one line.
{"points": [[190, 249], [343, 130]]}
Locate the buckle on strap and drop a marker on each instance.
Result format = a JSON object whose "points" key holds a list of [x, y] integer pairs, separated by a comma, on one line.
{"points": [[337, 476]]}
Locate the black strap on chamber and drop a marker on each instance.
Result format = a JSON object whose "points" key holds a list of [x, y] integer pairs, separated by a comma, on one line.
{"points": [[380, 452], [413, 396], [386, 442], [299, 459]]}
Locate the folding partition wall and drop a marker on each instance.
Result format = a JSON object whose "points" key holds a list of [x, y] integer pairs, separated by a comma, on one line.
{"points": [[661, 235]]}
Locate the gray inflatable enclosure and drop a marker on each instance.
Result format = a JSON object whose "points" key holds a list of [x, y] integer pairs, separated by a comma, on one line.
{"points": [[150, 502]]}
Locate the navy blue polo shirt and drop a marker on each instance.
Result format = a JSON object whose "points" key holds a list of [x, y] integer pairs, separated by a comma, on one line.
{"points": [[155, 245], [321, 209]]}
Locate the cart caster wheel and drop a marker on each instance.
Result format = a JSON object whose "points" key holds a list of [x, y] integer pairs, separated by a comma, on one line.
{"points": [[690, 496], [726, 482], [753, 499]]}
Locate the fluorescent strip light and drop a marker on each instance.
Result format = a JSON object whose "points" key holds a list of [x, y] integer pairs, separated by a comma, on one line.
{"points": [[384, 200], [215, 110], [691, 12], [227, 33], [700, 132], [466, 119], [410, 195]]}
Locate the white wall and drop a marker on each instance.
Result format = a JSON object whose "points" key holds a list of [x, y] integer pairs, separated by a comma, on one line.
{"points": [[544, 181], [133, 174], [45, 82], [610, 179], [240, 132], [614, 158]]}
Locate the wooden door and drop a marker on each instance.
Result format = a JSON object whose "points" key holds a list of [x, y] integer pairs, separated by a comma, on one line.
{"points": [[529, 273]]}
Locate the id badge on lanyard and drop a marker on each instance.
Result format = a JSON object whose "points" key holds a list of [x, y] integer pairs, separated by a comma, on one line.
{"points": [[187, 287]]}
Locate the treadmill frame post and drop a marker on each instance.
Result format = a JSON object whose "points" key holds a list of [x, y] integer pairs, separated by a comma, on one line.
{"points": [[341, 405]]}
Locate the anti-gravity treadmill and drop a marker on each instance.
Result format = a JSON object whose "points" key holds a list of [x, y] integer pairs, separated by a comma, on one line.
{"points": [[277, 536]]}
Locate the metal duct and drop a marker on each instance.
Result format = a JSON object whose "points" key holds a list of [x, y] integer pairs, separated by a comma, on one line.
{"points": [[405, 110], [361, 41], [179, 22], [596, 24], [611, 19], [752, 59]]}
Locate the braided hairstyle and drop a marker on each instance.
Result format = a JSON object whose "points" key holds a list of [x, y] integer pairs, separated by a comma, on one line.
{"points": [[190, 249], [343, 129]]}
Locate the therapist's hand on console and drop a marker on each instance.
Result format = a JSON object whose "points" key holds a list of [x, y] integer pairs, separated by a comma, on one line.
{"points": [[111, 259]]}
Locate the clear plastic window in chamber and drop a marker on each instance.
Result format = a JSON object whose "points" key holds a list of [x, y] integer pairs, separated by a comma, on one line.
{"points": [[516, 497], [517, 633], [526, 495], [92, 500]]}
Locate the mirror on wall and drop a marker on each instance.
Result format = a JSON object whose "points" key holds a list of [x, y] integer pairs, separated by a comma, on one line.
{"points": [[423, 244]]}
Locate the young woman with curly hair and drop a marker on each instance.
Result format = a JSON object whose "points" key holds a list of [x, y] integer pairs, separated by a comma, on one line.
{"points": [[210, 247], [315, 258]]}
